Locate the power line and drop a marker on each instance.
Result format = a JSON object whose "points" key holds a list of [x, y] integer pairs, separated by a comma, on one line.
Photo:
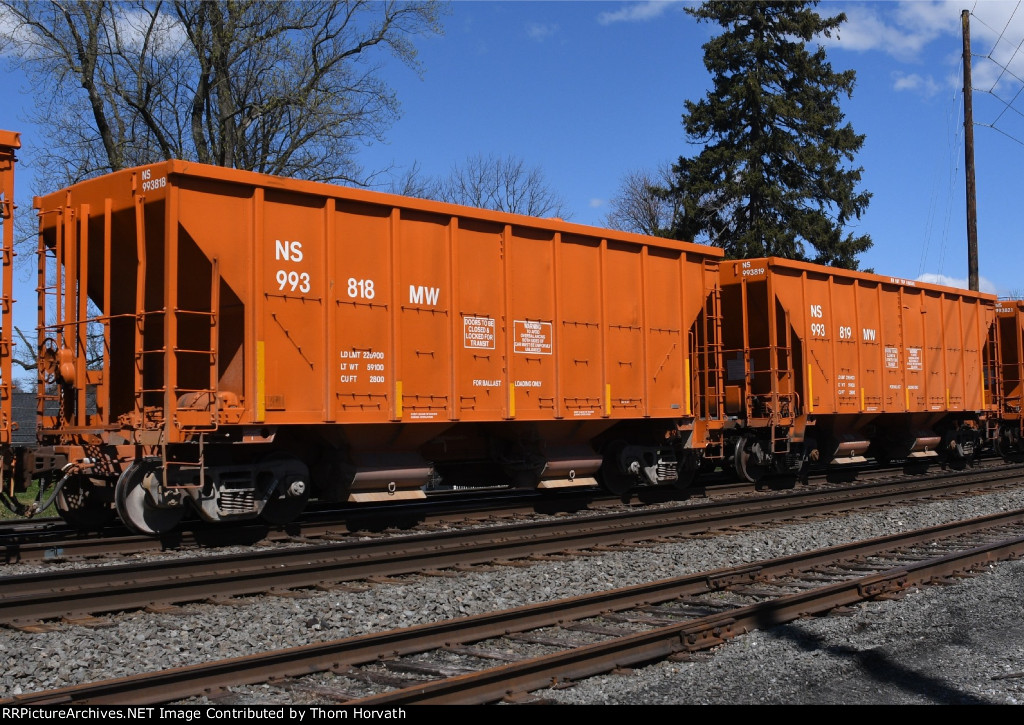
{"points": [[996, 128], [1005, 70], [955, 132]]}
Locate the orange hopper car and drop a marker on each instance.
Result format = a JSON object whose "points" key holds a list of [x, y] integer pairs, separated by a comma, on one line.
{"points": [[233, 344], [829, 365]]}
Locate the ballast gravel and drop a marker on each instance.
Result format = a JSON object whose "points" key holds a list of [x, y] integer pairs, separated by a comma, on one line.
{"points": [[956, 644]]}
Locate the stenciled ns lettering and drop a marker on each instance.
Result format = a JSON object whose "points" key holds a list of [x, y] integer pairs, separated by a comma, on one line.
{"points": [[151, 184], [291, 280]]}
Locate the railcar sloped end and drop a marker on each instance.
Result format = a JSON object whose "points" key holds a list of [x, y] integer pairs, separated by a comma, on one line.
{"points": [[9, 143], [1009, 396]]}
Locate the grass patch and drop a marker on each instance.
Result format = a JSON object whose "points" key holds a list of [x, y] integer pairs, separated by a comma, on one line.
{"points": [[26, 497]]}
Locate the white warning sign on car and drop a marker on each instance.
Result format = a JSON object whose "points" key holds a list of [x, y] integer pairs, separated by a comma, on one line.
{"points": [[532, 338], [478, 332]]}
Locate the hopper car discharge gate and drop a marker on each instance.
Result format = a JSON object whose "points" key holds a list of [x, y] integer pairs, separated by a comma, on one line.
{"points": [[232, 344]]}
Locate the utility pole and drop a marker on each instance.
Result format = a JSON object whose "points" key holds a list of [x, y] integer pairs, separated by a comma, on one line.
{"points": [[972, 200]]}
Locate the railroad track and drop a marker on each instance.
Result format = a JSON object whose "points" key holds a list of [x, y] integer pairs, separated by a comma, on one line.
{"points": [[28, 601], [51, 540], [482, 658]]}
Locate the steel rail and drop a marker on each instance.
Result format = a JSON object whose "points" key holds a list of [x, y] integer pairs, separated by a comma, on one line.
{"points": [[495, 683], [31, 598], [52, 540], [515, 678]]}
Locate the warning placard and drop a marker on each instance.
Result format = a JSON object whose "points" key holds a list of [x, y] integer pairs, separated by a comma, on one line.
{"points": [[532, 338], [478, 332]]}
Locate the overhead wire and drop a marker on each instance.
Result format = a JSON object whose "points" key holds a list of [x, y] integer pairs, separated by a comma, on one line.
{"points": [[955, 148], [1005, 70]]}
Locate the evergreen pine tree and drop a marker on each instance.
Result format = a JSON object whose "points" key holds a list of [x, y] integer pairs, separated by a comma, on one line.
{"points": [[770, 179]]}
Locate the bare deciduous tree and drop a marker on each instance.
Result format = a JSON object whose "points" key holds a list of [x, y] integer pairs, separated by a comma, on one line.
{"points": [[412, 182], [501, 184], [290, 88], [642, 204]]}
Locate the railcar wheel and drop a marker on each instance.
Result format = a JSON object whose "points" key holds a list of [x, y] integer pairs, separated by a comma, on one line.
{"points": [[281, 510], [749, 459], [1007, 445], [613, 473], [956, 462], [136, 507], [1013, 456], [85, 502], [292, 494], [686, 472]]}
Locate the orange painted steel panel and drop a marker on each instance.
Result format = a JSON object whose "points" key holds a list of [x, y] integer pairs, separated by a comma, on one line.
{"points": [[277, 302], [624, 349], [422, 304], [530, 324], [293, 305], [9, 143], [863, 343], [362, 301], [479, 289], [580, 332]]}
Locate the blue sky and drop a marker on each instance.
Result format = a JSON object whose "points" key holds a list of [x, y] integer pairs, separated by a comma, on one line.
{"points": [[589, 91]]}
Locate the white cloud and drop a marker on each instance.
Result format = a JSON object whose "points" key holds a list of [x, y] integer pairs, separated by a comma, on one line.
{"points": [[984, 285], [905, 30], [164, 36], [596, 203], [925, 85], [902, 32], [930, 19], [541, 31], [15, 39], [996, 32], [635, 12]]}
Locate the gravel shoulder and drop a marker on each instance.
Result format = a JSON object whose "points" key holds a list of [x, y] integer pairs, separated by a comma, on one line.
{"points": [[961, 644], [957, 644]]}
